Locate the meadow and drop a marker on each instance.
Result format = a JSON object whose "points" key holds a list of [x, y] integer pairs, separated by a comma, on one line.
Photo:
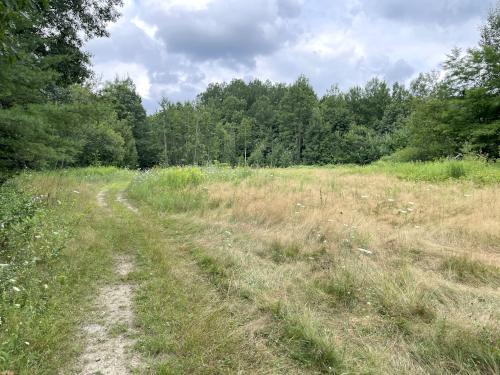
{"points": [[388, 268]]}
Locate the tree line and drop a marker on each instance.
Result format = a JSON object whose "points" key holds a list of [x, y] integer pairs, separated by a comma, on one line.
{"points": [[52, 116]]}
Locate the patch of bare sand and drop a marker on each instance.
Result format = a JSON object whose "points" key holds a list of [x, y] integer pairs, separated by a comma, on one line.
{"points": [[109, 341]]}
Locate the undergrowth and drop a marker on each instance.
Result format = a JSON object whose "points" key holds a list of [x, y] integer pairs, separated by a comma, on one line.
{"points": [[474, 170]]}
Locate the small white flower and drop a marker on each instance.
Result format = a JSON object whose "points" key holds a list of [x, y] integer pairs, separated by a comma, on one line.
{"points": [[45, 286], [17, 305], [27, 343], [16, 289], [365, 251]]}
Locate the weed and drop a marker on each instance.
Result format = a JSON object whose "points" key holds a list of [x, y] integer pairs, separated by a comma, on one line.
{"points": [[456, 170], [281, 253], [465, 270], [342, 286], [402, 300], [478, 171], [306, 343], [459, 349], [217, 271]]}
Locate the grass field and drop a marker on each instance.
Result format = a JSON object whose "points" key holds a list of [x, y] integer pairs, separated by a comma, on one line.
{"points": [[389, 268]]}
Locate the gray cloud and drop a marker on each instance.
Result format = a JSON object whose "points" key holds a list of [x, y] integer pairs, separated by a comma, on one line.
{"points": [[400, 71], [443, 12], [233, 32], [289, 8], [175, 48]]}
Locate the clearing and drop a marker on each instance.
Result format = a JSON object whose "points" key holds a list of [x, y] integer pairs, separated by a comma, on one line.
{"points": [[268, 271]]}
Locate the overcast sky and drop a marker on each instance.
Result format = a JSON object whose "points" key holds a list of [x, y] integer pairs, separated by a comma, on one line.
{"points": [[175, 48]]}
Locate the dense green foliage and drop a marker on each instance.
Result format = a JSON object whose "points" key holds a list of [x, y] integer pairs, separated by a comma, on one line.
{"points": [[261, 123], [265, 124], [48, 118], [51, 116]]}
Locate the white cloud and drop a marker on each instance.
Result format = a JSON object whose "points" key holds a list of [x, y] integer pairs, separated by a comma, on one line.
{"points": [[174, 5], [110, 70], [149, 30], [177, 47]]}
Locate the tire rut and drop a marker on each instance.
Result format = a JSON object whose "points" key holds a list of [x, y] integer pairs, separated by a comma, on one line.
{"points": [[109, 341], [120, 198]]}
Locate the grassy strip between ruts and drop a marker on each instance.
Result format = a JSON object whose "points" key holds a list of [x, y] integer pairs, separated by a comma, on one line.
{"points": [[190, 324]]}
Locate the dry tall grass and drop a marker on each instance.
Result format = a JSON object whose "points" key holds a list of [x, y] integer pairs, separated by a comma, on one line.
{"points": [[391, 276]]}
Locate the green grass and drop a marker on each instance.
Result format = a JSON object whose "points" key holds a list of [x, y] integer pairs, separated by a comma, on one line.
{"points": [[304, 341], [189, 325], [48, 251], [182, 189], [258, 305], [342, 286], [282, 253], [465, 270], [170, 190], [459, 350], [478, 171]]}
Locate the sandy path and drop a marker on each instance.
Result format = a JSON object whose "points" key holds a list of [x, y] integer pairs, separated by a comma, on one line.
{"points": [[108, 342], [109, 336]]}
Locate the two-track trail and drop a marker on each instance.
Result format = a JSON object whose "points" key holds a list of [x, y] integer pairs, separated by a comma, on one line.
{"points": [[108, 338], [160, 312]]}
